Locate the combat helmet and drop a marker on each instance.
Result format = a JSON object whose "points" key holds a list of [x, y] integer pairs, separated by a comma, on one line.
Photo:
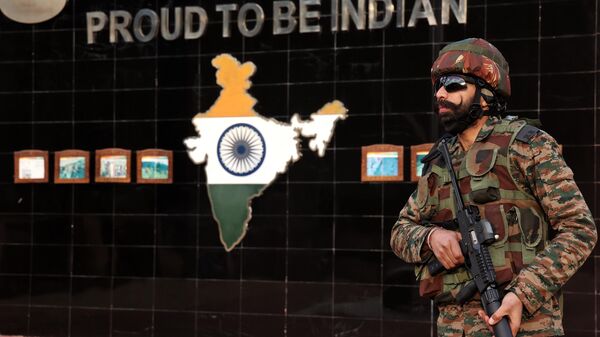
{"points": [[479, 59]]}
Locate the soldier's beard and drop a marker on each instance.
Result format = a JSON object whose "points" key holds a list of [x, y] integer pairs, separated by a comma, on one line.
{"points": [[457, 119]]}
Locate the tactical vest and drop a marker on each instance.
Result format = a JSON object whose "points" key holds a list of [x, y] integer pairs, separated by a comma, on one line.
{"points": [[485, 180]]}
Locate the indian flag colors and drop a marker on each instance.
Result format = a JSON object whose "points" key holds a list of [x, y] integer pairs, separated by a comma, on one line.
{"points": [[244, 151]]}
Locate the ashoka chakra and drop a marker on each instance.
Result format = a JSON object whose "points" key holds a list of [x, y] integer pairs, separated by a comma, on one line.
{"points": [[241, 149]]}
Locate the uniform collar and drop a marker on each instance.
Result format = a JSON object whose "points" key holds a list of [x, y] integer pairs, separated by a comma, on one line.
{"points": [[487, 128], [454, 145]]}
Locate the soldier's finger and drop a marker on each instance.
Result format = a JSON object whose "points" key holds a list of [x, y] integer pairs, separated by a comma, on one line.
{"points": [[485, 318], [451, 258], [456, 253], [441, 258], [447, 252], [497, 316], [515, 322], [514, 328], [441, 252], [445, 262], [447, 265]]}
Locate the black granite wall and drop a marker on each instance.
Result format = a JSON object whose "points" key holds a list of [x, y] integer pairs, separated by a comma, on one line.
{"points": [[145, 260]]}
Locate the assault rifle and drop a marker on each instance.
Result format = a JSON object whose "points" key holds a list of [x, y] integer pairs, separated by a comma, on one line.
{"points": [[476, 234]]}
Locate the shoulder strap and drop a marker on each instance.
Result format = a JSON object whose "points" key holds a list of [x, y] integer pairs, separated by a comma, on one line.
{"points": [[433, 153], [522, 132]]}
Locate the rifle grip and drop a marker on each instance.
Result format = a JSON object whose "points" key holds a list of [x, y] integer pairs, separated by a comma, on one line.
{"points": [[435, 267]]}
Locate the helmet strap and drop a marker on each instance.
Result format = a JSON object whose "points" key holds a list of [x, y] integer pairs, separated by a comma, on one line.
{"points": [[475, 110]]}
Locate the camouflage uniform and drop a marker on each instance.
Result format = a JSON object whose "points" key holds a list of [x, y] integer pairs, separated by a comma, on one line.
{"points": [[516, 176]]}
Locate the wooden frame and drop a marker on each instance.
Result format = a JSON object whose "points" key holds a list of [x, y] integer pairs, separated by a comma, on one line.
{"points": [[73, 154], [382, 152], [416, 153], [121, 173], [154, 154], [30, 158]]}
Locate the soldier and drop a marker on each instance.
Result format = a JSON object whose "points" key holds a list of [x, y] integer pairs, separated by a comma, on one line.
{"points": [[516, 176]]}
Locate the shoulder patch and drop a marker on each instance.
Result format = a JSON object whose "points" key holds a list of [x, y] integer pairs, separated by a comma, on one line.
{"points": [[526, 133]]}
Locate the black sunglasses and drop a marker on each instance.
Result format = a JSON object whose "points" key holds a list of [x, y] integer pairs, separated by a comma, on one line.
{"points": [[452, 83]]}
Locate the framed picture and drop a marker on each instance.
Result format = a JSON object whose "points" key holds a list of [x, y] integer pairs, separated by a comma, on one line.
{"points": [[31, 166], [72, 167], [382, 163], [154, 166], [417, 152], [113, 166]]}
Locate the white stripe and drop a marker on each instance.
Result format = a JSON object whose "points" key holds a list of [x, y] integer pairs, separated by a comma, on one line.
{"points": [[382, 155], [280, 148]]}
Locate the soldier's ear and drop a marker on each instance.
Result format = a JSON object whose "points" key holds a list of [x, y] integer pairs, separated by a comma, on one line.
{"points": [[483, 103]]}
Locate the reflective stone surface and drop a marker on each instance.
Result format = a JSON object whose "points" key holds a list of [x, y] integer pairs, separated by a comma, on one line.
{"points": [[143, 260]]}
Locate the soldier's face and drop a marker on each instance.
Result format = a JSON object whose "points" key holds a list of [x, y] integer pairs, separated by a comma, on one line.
{"points": [[453, 107]]}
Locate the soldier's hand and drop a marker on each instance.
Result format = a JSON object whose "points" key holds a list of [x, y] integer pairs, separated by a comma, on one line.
{"points": [[511, 307], [445, 245]]}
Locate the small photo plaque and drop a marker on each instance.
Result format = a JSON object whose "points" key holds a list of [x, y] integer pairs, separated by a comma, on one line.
{"points": [[382, 162], [154, 166], [31, 166], [113, 166], [72, 167], [417, 152]]}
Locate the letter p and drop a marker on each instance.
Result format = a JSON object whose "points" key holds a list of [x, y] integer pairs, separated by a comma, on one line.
{"points": [[96, 21]]}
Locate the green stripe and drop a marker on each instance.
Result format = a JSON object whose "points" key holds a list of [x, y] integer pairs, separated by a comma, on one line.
{"points": [[231, 209]]}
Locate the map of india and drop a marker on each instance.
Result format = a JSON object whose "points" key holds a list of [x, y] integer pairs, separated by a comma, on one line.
{"points": [[243, 151]]}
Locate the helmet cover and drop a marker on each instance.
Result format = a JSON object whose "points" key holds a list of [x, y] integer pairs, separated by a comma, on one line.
{"points": [[475, 57]]}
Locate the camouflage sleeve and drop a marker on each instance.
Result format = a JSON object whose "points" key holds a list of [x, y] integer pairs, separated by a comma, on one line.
{"points": [[551, 181], [408, 236]]}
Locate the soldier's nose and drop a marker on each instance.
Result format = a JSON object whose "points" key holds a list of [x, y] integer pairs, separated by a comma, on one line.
{"points": [[441, 93]]}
